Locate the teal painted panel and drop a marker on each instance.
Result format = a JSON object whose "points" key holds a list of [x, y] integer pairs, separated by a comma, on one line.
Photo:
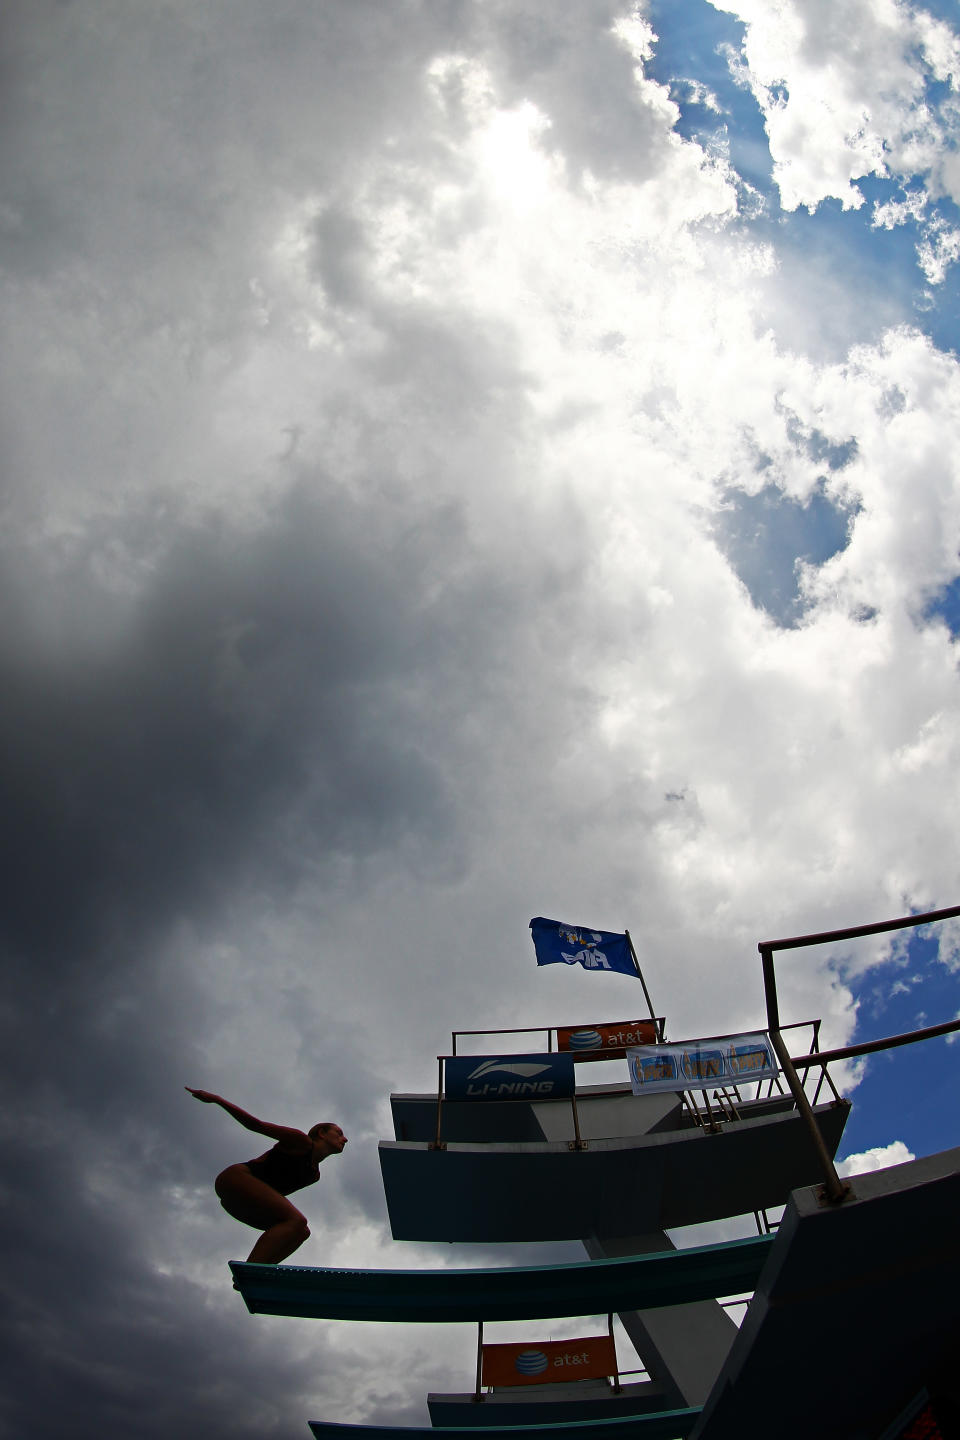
{"points": [[527, 1292], [665, 1425]]}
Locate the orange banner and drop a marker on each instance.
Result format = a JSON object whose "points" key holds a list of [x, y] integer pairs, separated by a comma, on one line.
{"points": [[610, 1040], [549, 1362]]}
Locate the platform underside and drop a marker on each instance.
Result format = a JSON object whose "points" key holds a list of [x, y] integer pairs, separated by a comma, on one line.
{"points": [[670, 1425], [546, 1405], [626, 1185]]}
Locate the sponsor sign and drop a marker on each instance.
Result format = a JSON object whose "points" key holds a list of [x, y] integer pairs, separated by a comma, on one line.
{"points": [[508, 1077], [605, 1042], [697, 1064], [545, 1364]]}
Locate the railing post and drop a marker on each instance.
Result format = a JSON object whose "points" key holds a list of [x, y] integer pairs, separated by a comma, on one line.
{"points": [[576, 1143], [836, 1189], [477, 1396], [713, 1126], [438, 1144], [617, 1387], [770, 988]]}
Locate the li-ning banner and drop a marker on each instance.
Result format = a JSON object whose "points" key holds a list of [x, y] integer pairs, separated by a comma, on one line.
{"points": [[508, 1077], [602, 1042], [733, 1060], [521, 1363]]}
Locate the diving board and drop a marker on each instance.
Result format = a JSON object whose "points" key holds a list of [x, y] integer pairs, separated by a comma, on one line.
{"points": [[524, 1292], [665, 1425]]}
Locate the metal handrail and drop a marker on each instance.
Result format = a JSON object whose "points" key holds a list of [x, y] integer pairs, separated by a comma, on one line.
{"points": [[577, 1143], [835, 1189], [550, 1031], [870, 1047]]}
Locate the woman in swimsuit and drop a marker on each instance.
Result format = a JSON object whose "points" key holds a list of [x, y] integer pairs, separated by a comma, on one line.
{"points": [[254, 1191]]}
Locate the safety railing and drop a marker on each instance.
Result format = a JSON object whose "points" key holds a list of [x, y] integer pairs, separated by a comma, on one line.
{"points": [[726, 1101], [730, 1097], [552, 1032], [835, 1190]]}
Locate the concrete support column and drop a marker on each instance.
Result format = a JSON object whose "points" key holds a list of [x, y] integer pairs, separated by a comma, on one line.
{"points": [[682, 1346]]}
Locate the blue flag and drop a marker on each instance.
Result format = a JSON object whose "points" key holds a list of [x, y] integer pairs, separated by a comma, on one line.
{"points": [[558, 944]]}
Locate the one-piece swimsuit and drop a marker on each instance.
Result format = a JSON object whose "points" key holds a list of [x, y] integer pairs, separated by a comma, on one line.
{"points": [[285, 1170]]}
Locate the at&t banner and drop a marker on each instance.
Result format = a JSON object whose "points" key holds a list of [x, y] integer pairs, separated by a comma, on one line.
{"points": [[603, 1042], [548, 1362]]}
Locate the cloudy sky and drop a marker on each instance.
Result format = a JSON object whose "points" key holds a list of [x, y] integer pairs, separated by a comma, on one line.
{"points": [[462, 460]]}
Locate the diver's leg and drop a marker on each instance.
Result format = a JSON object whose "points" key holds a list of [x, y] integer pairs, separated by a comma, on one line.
{"points": [[254, 1203]]}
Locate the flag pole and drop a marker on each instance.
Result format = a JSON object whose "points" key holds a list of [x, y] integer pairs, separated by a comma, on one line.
{"points": [[636, 964]]}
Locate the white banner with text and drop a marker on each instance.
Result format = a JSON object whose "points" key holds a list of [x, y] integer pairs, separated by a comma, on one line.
{"points": [[696, 1064]]}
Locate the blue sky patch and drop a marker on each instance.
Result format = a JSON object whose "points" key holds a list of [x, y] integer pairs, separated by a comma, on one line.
{"points": [[764, 536], [694, 41], [945, 606], [916, 1084], [832, 251]]}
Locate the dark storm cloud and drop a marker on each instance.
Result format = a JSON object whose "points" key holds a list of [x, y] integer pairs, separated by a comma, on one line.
{"points": [[195, 711], [140, 773], [255, 714], [122, 1349], [261, 705], [266, 699]]}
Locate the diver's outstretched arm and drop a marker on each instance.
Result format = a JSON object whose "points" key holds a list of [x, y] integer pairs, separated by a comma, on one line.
{"points": [[283, 1133]]}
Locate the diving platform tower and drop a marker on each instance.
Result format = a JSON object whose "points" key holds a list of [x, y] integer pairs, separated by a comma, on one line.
{"points": [[851, 1330], [486, 1160]]}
